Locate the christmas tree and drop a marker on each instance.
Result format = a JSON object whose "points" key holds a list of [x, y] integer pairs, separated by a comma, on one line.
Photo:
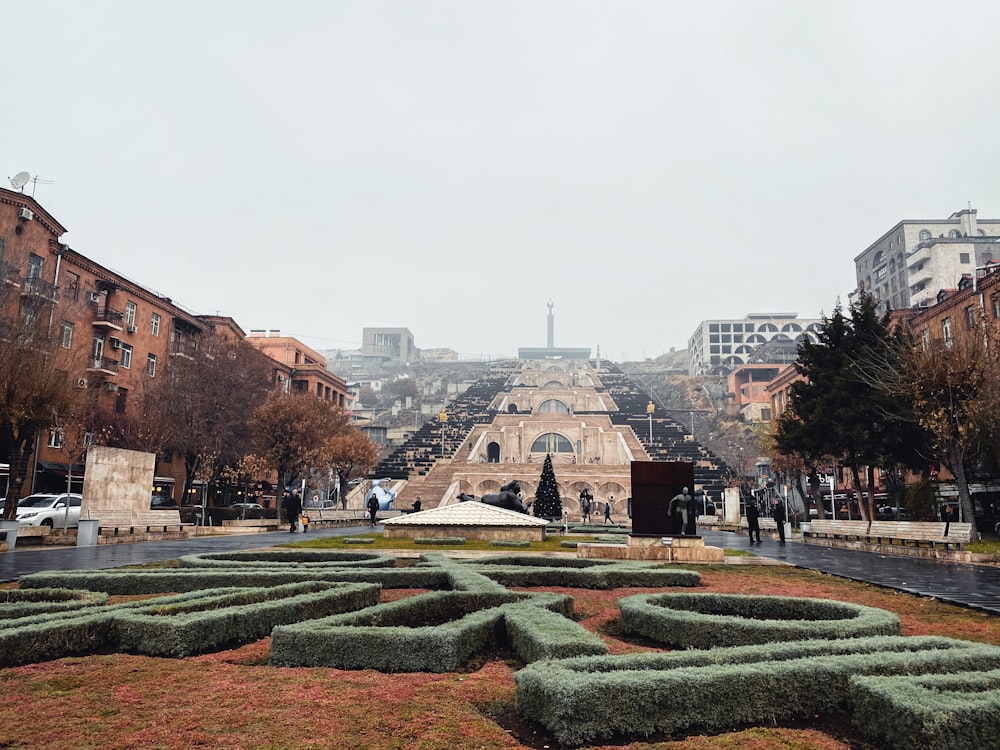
{"points": [[547, 501]]}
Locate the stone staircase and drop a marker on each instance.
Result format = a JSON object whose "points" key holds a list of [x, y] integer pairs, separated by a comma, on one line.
{"points": [[430, 488]]}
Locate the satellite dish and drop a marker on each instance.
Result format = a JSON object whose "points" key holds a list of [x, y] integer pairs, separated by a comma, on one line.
{"points": [[20, 179]]}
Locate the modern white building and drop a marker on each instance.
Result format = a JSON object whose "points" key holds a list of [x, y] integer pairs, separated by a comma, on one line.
{"points": [[908, 265], [718, 346]]}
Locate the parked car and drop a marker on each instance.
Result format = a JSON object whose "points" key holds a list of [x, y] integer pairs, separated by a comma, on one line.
{"points": [[248, 510], [50, 510], [161, 502]]}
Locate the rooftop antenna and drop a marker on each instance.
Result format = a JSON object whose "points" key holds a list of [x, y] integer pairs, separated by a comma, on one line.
{"points": [[20, 180], [35, 180]]}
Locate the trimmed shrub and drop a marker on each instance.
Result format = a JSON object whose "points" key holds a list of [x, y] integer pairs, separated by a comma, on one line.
{"points": [[439, 540], [568, 543], [212, 622], [358, 540], [586, 699], [537, 633], [606, 576], [945, 712], [22, 603], [510, 543], [283, 558], [709, 620]]}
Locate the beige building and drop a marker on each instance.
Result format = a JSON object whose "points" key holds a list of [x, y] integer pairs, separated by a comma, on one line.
{"points": [[909, 264], [719, 346]]}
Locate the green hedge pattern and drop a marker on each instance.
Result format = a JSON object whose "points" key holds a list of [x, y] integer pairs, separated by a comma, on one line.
{"points": [[710, 620]]}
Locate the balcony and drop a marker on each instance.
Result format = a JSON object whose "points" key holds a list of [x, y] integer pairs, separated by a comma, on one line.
{"points": [[109, 319], [32, 286], [186, 349], [104, 365], [9, 274], [918, 256]]}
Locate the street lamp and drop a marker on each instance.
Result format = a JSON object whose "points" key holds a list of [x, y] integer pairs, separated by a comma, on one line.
{"points": [[443, 417], [649, 413]]}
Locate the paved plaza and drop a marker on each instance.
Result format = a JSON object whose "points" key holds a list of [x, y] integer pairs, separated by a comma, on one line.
{"points": [[975, 586]]}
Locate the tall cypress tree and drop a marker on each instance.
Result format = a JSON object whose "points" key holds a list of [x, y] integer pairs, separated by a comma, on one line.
{"points": [[547, 501]]}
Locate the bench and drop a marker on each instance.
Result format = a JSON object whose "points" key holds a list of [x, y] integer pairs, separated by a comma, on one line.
{"points": [[931, 532], [113, 520], [765, 524], [146, 519], [831, 529]]}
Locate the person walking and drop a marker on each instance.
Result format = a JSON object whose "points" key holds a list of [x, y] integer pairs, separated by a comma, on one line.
{"points": [[753, 521], [607, 511], [293, 507], [778, 514], [373, 507]]}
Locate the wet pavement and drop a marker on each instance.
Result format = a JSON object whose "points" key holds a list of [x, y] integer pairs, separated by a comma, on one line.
{"points": [[968, 585]]}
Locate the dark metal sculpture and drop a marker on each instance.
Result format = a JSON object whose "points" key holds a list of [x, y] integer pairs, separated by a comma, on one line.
{"points": [[509, 497]]}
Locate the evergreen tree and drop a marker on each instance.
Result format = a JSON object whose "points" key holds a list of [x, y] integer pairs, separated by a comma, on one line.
{"points": [[547, 501]]}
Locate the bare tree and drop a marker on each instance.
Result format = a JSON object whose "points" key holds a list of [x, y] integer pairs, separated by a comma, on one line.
{"points": [[37, 382]]}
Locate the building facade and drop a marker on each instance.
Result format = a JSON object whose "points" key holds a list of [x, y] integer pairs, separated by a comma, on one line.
{"points": [[909, 264], [718, 346], [388, 345], [298, 368]]}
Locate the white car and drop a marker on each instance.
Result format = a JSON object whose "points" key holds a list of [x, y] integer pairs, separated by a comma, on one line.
{"points": [[50, 510]]}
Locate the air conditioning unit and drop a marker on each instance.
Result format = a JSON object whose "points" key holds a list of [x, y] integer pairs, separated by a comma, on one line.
{"points": [[111, 387], [115, 343], [25, 213], [132, 329], [93, 297], [81, 382]]}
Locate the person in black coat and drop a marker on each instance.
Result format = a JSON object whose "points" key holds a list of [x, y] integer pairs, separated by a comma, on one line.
{"points": [[373, 507], [293, 507], [753, 521], [778, 514]]}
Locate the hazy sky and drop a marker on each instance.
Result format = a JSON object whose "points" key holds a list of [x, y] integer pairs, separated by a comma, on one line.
{"points": [[451, 165]]}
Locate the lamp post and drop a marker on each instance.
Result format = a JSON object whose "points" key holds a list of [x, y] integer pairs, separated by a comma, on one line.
{"points": [[649, 413], [443, 418]]}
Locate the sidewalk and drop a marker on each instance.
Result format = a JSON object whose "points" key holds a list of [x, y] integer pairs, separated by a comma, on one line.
{"points": [[968, 585], [24, 560], [974, 586]]}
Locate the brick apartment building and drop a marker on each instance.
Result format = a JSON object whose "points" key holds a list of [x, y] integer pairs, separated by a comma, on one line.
{"points": [[116, 336]]}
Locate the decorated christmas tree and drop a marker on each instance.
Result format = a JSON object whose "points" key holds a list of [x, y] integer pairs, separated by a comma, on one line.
{"points": [[547, 501]]}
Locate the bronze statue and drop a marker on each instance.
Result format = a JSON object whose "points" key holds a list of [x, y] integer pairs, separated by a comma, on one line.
{"points": [[682, 513], [509, 497]]}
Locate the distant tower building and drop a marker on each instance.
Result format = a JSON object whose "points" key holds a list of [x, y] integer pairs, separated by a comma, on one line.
{"points": [[551, 340]]}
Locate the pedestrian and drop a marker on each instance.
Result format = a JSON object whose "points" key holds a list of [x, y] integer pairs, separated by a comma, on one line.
{"points": [[293, 507], [417, 504], [373, 507], [607, 510], [778, 514], [753, 521]]}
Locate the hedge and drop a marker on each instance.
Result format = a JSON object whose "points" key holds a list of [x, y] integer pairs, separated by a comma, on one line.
{"points": [[592, 698], [435, 632], [439, 540], [16, 603], [215, 622], [510, 543], [945, 712], [297, 558], [709, 620]]}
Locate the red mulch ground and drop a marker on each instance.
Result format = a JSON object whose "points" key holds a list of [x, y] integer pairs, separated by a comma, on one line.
{"points": [[233, 701]]}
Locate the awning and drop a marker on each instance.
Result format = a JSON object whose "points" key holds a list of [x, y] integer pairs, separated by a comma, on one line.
{"points": [[58, 468]]}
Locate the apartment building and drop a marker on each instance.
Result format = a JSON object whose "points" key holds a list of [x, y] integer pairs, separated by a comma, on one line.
{"points": [[298, 368], [718, 346], [909, 264]]}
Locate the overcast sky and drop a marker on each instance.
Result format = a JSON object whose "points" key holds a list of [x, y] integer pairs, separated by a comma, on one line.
{"points": [[450, 165]]}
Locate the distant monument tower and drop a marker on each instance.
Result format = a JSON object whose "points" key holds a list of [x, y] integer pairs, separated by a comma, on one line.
{"points": [[551, 340], [550, 351]]}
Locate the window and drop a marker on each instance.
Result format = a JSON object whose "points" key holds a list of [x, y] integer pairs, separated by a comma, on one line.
{"points": [[88, 438], [120, 400], [551, 442], [151, 365], [946, 331], [126, 360], [925, 338], [970, 317], [34, 266], [66, 334], [130, 315], [154, 324], [925, 235], [553, 406], [996, 306], [97, 352], [55, 438], [72, 286], [963, 258]]}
